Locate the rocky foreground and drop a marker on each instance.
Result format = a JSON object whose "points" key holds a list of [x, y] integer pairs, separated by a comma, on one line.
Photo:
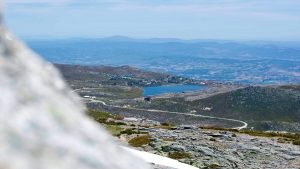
{"points": [[206, 148]]}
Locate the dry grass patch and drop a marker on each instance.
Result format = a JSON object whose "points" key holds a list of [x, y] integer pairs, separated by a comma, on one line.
{"points": [[179, 155], [294, 138], [140, 141]]}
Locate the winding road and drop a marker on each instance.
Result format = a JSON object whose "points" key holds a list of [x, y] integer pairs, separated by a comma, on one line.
{"points": [[171, 112]]}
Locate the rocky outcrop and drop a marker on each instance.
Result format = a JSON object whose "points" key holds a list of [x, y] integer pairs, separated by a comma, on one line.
{"points": [[227, 150], [222, 149]]}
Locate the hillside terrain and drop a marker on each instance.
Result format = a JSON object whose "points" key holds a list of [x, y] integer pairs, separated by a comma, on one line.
{"points": [[226, 61], [119, 90], [208, 148], [93, 76], [263, 107]]}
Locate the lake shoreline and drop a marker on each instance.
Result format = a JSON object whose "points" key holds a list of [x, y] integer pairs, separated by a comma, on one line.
{"points": [[172, 89]]}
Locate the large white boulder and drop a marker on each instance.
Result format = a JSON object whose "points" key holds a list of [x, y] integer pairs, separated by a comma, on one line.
{"points": [[42, 124]]}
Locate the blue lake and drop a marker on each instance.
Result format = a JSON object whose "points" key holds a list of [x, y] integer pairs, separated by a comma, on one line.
{"points": [[157, 90]]}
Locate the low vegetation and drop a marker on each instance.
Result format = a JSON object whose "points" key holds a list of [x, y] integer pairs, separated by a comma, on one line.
{"points": [[296, 142], [179, 155], [291, 87], [114, 129], [294, 138], [165, 125], [111, 123], [140, 141], [255, 104], [92, 76], [102, 117], [220, 128], [213, 166], [131, 131], [212, 139]]}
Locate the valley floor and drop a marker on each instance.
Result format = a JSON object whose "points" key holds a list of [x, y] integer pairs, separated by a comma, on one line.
{"points": [[227, 105]]}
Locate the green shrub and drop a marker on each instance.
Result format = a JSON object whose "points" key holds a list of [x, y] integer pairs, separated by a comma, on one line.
{"points": [[285, 137], [140, 141], [102, 117], [131, 131], [296, 142], [118, 123], [113, 129], [165, 124], [294, 136], [214, 166], [179, 155], [212, 139], [164, 127], [281, 140], [128, 132]]}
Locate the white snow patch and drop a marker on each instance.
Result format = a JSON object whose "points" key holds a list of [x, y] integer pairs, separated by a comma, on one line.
{"points": [[159, 160]]}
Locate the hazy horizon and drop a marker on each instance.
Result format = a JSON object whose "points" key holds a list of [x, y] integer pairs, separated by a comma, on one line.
{"points": [[167, 39], [205, 19]]}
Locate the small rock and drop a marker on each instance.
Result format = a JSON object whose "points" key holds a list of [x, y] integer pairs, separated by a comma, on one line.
{"points": [[185, 127], [223, 132], [291, 153], [214, 166], [172, 147], [174, 128], [193, 138], [216, 135], [295, 153], [212, 139], [205, 151], [287, 157]]}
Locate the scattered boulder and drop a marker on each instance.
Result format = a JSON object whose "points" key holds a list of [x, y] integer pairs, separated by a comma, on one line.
{"points": [[217, 135], [173, 147], [205, 151]]}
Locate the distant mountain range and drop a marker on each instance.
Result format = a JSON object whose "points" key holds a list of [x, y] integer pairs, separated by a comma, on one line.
{"points": [[217, 60], [119, 38]]}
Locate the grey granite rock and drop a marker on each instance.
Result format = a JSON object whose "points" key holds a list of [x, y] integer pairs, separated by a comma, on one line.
{"points": [[205, 151], [242, 151], [173, 147]]}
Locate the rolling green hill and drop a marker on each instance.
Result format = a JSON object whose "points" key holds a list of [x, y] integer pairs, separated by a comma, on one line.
{"points": [[265, 108], [257, 104]]}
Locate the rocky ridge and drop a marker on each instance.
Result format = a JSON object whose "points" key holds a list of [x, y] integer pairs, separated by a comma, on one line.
{"points": [[217, 149]]}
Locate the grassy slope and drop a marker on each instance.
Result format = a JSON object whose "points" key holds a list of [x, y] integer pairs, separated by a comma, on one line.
{"points": [[92, 76], [249, 104], [256, 103]]}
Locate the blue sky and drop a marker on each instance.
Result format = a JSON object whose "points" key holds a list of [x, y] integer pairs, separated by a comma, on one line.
{"points": [[187, 19]]}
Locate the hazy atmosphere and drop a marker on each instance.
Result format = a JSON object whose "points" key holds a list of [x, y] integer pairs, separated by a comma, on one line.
{"points": [[176, 84], [277, 20]]}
